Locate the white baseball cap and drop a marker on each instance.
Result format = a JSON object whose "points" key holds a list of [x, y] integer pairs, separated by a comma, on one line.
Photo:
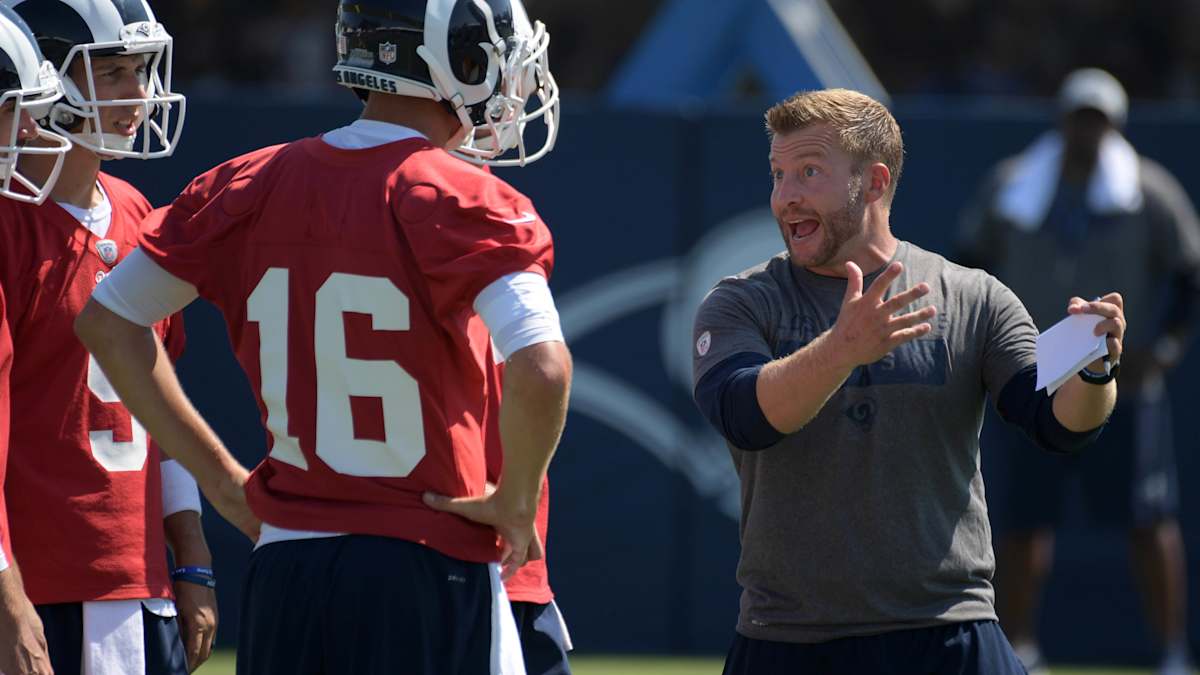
{"points": [[1096, 89]]}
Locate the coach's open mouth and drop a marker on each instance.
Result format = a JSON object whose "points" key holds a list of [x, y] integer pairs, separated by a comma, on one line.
{"points": [[803, 228]]}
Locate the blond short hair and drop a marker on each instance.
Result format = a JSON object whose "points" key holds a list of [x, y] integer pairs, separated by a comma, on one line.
{"points": [[868, 132]]}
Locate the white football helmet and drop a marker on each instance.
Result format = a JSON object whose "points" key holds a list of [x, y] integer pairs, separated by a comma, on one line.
{"points": [[482, 57], [30, 84], [81, 30]]}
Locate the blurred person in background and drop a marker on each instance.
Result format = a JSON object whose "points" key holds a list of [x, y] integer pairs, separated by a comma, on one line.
{"points": [[1077, 213]]}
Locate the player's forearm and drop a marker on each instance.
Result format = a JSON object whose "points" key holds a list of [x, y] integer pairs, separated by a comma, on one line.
{"points": [[142, 375], [533, 410], [185, 537], [1080, 406], [792, 390], [12, 591]]}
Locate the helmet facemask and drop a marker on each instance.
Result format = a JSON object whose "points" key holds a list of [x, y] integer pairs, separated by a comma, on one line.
{"points": [[37, 101], [160, 128]]}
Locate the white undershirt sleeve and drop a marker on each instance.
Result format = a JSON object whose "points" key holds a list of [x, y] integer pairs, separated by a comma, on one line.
{"points": [[140, 291], [179, 490], [519, 311]]}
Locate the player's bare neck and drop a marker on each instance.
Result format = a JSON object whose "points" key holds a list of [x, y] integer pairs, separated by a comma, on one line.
{"points": [[77, 183], [431, 118]]}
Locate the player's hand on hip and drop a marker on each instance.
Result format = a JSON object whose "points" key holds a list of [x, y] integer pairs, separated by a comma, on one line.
{"points": [[197, 607], [512, 519], [23, 649], [869, 327], [1112, 308]]}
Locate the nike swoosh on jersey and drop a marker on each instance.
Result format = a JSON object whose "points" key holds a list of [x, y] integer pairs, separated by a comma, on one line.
{"points": [[526, 217]]}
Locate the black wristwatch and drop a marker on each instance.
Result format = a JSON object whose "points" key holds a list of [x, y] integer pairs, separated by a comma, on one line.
{"points": [[1092, 377]]}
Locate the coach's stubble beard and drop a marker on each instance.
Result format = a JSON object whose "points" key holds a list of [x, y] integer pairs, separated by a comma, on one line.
{"points": [[840, 227]]}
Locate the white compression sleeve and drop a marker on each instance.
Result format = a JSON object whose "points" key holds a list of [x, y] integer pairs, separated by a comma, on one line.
{"points": [[179, 490], [519, 311], [140, 291]]}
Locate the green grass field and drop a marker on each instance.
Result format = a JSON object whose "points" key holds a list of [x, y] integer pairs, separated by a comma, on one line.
{"points": [[222, 664]]}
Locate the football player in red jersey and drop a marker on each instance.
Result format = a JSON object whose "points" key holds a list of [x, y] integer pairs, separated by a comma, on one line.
{"points": [[91, 508], [370, 279], [28, 85]]}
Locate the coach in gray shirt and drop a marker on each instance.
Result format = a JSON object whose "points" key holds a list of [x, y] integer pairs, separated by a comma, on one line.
{"points": [[849, 375]]}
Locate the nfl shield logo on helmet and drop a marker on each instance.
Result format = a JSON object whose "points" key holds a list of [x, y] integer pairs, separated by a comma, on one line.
{"points": [[387, 53], [107, 248]]}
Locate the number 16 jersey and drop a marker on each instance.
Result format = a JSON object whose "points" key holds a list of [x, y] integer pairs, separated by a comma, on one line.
{"points": [[347, 279]]}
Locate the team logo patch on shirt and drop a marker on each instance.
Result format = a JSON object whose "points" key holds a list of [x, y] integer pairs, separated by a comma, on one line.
{"points": [[703, 344], [863, 413], [387, 53], [107, 248]]}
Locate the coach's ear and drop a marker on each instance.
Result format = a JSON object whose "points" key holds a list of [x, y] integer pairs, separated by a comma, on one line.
{"points": [[876, 182]]}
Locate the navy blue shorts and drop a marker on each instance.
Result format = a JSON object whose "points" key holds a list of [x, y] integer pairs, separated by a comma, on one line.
{"points": [[542, 639], [365, 605], [63, 624], [972, 648], [1128, 476]]}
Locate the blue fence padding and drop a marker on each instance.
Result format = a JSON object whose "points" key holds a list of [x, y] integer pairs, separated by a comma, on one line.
{"points": [[645, 208]]}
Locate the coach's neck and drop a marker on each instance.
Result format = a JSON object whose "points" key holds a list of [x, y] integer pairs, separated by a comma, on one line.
{"points": [[871, 249], [879, 244]]}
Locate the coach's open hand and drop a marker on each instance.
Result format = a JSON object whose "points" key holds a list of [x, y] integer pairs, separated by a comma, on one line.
{"points": [[1112, 308], [867, 327]]}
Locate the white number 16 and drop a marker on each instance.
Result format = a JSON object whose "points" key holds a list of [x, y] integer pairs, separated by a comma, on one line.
{"points": [[339, 377]]}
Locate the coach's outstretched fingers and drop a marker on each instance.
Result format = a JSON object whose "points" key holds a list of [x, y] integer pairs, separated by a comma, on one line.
{"points": [[866, 329]]}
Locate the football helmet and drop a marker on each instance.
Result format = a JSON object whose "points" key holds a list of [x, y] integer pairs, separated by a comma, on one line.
{"points": [[483, 58], [30, 84], [81, 30]]}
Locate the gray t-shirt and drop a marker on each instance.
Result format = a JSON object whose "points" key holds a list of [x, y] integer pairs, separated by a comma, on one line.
{"points": [[872, 517]]}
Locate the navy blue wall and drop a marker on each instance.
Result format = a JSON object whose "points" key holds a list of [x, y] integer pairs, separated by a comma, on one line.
{"points": [[643, 539]]}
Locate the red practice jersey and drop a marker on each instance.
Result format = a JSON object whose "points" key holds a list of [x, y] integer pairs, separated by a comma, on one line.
{"points": [[83, 486], [6, 354], [531, 583], [347, 279]]}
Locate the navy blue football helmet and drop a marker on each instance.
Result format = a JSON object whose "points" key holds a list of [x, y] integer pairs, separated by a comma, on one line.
{"points": [[483, 58]]}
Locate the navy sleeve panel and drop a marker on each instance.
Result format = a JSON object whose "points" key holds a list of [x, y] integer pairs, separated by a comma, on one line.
{"points": [[1033, 411], [728, 397]]}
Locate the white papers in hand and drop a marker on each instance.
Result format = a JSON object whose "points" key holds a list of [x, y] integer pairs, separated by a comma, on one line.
{"points": [[1066, 347]]}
